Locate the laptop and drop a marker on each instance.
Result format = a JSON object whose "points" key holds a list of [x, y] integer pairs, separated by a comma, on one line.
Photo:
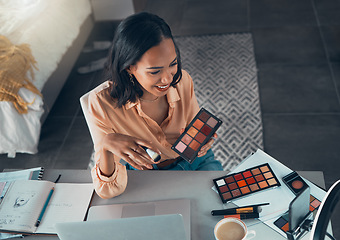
{"points": [[165, 227], [127, 210]]}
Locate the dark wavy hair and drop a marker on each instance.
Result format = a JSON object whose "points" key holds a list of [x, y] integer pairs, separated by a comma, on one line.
{"points": [[134, 36]]}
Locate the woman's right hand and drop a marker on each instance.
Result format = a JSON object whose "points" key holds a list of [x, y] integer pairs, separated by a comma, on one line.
{"points": [[129, 149]]}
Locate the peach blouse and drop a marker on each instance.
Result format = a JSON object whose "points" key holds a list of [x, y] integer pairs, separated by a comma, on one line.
{"points": [[105, 118]]}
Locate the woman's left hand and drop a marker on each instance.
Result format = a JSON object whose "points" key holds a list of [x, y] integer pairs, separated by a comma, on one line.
{"points": [[206, 147]]}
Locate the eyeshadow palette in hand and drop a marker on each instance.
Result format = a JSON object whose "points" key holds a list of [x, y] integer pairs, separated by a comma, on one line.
{"points": [[196, 135], [246, 182]]}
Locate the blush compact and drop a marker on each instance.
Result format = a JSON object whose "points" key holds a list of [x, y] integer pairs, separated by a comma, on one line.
{"points": [[294, 182]]}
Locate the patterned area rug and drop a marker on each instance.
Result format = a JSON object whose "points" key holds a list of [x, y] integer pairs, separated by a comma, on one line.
{"points": [[224, 72]]}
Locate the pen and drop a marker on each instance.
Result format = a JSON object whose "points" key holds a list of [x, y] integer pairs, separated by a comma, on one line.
{"points": [[57, 180], [244, 216], [44, 208], [237, 210]]}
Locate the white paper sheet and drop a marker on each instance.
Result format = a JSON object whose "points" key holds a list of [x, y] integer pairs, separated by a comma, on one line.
{"points": [[278, 197]]}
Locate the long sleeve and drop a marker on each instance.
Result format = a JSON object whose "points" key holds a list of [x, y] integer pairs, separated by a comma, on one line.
{"points": [[108, 187], [98, 121]]}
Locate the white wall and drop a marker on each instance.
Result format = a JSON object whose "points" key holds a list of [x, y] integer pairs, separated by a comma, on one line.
{"points": [[106, 10]]}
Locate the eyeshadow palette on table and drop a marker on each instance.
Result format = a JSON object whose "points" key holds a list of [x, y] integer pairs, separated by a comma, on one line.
{"points": [[196, 135], [249, 181]]}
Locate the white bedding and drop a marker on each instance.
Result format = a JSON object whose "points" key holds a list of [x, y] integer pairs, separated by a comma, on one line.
{"points": [[49, 27]]}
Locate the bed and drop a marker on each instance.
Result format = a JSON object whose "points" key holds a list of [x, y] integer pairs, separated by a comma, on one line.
{"points": [[56, 31]]}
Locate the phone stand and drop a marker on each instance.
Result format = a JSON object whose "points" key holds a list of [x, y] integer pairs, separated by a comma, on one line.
{"points": [[303, 228], [300, 218]]}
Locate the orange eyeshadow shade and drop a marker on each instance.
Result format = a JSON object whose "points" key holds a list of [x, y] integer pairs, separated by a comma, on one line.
{"points": [[272, 181], [259, 178], [245, 190], [263, 184], [254, 187], [255, 171], [268, 175], [246, 182], [241, 183], [285, 227], [198, 124], [192, 132], [194, 145], [247, 174], [264, 169]]}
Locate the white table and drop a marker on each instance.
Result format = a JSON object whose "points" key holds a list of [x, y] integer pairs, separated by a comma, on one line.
{"points": [[146, 186]]}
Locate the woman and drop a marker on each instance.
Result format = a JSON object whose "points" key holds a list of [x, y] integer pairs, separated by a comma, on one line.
{"points": [[147, 102]]}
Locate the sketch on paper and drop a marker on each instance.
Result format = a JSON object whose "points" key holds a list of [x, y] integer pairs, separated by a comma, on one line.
{"points": [[23, 199]]}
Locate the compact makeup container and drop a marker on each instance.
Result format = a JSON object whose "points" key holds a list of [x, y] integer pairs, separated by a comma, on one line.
{"points": [[196, 135], [295, 182], [249, 181]]}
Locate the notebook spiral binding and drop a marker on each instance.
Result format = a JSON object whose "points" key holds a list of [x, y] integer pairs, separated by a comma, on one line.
{"points": [[41, 173], [37, 174]]}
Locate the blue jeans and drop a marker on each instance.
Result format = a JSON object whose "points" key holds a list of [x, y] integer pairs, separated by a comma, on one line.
{"points": [[205, 163]]}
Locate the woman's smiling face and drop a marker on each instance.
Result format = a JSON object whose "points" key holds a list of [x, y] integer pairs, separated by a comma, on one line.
{"points": [[156, 69]]}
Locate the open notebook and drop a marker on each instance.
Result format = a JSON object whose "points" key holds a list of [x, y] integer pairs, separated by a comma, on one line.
{"points": [[26, 201]]}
